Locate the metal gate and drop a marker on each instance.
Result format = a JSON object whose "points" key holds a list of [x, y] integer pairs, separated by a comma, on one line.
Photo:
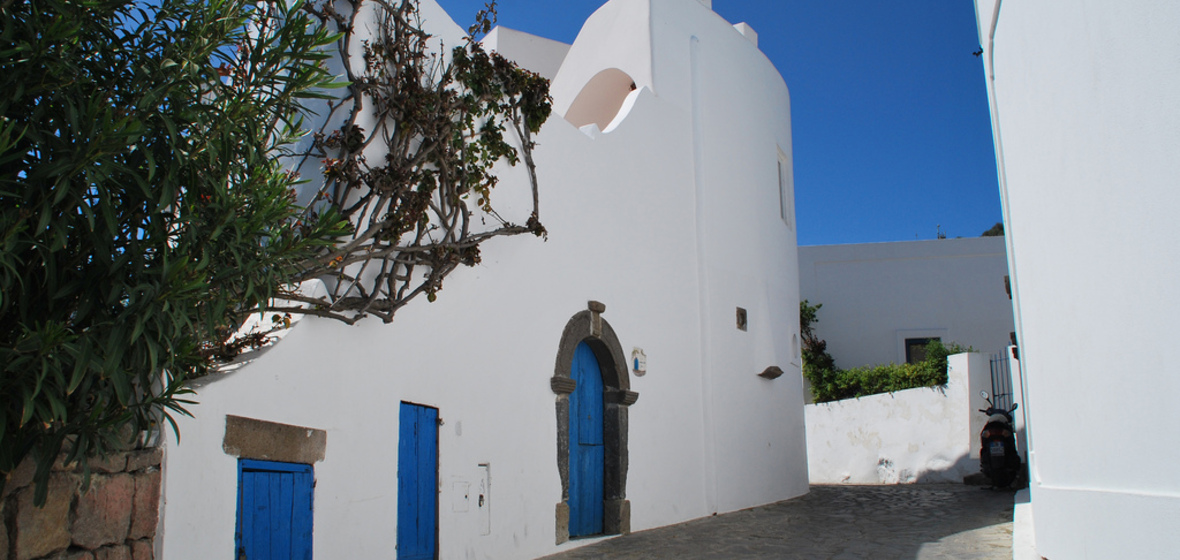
{"points": [[1001, 382]]}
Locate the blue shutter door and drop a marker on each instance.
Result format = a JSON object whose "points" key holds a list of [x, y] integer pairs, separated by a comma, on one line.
{"points": [[274, 510], [417, 483], [586, 450]]}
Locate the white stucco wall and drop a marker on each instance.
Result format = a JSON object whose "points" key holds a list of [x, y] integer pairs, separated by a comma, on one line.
{"points": [[875, 295], [671, 220], [537, 54], [917, 435], [1085, 100]]}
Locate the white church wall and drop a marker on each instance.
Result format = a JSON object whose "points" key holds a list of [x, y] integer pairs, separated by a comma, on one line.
{"points": [[1083, 100], [741, 229], [875, 295], [622, 210]]}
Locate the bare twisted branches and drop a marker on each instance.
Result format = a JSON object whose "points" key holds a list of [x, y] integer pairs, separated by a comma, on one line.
{"points": [[410, 164]]}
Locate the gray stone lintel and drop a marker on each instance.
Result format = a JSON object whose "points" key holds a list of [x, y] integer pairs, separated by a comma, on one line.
{"points": [[247, 438]]}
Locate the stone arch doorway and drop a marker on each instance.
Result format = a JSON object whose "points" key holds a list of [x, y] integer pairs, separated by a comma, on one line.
{"points": [[589, 328]]}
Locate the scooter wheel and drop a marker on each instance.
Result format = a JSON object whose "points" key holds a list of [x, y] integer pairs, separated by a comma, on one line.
{"points": [[1003, 478]]}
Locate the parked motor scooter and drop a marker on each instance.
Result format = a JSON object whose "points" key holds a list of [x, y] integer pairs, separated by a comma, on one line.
{"points": [[998, 458]]}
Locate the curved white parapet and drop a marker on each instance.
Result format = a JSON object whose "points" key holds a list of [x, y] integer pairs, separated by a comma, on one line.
{"points": [[616, 36], [625, 109]]}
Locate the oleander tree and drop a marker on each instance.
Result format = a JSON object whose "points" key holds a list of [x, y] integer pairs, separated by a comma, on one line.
{"points": [[150, 178], [143, 207]]}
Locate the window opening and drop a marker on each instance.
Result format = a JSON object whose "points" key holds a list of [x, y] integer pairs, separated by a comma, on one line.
{"points": [[915, 349]]}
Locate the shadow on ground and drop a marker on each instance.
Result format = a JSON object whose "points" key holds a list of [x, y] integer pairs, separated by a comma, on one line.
{"points": [[918, 521]]}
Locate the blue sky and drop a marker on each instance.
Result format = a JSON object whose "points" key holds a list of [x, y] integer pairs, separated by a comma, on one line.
{"points": [[889, 115]]}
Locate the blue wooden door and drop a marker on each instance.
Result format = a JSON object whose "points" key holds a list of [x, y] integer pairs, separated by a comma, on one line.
{"points": [[586, 451], [274, 510], [417, 483]]}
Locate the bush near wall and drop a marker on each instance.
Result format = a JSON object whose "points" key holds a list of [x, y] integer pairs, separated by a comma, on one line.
{"points": [[830, 383]]}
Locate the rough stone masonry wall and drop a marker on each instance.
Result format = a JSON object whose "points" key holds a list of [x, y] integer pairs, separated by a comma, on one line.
{"points": [[113, 519]]}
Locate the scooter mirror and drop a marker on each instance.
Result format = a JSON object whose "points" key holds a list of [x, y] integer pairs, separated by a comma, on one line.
{"points": [[1014, 405], [984, 395]]}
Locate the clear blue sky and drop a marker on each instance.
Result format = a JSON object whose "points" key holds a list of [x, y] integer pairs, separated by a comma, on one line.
{"points": [[889, 113]]}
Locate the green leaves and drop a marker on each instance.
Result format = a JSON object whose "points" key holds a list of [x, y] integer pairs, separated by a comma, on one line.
{"points": [[143, 210]]}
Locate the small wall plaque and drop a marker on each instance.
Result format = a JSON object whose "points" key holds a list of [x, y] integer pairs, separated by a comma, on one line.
{"points": [[638, 361]]}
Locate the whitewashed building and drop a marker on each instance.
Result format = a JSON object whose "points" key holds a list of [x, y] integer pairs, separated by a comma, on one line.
{"points": [[669, 214], [882, 302], [1086, 115]]}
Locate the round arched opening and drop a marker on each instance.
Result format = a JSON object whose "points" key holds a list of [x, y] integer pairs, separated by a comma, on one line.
{"points": [[600, 99]]}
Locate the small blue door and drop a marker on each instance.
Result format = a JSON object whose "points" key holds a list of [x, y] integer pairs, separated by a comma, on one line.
{"points": [[586, 451], [274, 510], [417, 483]]}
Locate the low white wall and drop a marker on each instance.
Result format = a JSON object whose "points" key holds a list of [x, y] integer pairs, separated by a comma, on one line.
{"points": [[916, 435]]}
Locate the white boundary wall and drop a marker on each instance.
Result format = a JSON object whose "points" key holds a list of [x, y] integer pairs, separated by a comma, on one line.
{"points": [[1085, 102], [929, 434]]}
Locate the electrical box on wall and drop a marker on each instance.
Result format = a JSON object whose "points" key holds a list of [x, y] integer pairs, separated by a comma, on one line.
{"points": [[460, 497]]}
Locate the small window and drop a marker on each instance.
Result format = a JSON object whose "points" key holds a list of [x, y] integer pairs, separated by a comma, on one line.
{"points": [[786, 194], [915, 349], [742, 323]]}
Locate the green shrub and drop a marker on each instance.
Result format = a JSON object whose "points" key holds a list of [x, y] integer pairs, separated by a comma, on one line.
{"points": [[830, 383], [871, 380]]}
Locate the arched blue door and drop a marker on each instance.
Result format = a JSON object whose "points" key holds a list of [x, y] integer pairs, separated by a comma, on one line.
{"points": [[586, 450]]}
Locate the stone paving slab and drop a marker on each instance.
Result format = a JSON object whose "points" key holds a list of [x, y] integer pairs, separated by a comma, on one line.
{"points": [[926, 522]]}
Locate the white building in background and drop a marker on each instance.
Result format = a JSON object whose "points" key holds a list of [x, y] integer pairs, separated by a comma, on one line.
{"points": [[670, 205], [882, 302], [1085, 102]]}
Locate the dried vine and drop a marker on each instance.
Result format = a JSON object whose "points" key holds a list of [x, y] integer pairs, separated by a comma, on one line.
{"points": [[407, 156]]}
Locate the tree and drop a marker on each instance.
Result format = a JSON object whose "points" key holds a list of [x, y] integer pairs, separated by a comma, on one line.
{"points": [[150, 163], [143, 209], [994, 231], [408, 154]]}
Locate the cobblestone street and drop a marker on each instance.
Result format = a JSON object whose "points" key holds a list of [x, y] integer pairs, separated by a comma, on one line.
{"points": [[927, 521]]}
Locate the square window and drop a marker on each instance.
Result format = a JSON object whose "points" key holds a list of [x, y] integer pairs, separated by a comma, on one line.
{"points": [[915, 348]]}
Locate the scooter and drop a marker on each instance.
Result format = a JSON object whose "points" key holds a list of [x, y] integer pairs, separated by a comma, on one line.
{"points": [[998, 458]]}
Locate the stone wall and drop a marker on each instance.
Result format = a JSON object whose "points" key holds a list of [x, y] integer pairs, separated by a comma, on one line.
{"points": [[113, 519]]}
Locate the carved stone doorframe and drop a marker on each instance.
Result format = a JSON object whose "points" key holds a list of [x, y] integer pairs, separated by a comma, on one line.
{"points": [[588, 326]]}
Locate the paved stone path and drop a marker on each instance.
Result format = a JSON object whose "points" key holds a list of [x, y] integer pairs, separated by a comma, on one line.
{"points": [[915, 521]]}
